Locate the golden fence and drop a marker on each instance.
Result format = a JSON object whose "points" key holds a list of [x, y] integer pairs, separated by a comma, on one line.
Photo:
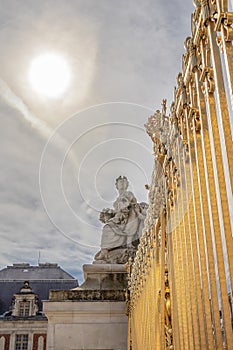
{"points": [[180, 282]]}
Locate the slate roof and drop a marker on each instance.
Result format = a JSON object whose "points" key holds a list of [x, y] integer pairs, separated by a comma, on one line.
{"points": [[22, 272], [42, 279]]}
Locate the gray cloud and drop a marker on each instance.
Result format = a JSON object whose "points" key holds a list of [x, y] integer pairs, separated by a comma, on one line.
{"points": [[118, 51]]}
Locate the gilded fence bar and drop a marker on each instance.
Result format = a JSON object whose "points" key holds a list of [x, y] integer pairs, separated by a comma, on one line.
{"points": [[180, 282]]}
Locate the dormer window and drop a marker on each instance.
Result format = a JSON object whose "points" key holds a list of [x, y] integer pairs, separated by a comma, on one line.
{"points": [[25, 303], [24, 308]]}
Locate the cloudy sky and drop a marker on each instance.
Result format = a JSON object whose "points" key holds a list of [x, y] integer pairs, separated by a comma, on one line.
{"points": [[60, 156]]}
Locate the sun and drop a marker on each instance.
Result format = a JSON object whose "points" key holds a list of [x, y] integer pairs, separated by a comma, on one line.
{"points": [[49, 75]]}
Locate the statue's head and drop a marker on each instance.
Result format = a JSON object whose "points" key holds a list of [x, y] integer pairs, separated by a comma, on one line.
{"points": [[122, 183]]}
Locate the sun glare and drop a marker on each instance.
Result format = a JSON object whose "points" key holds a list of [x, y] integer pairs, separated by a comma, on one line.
{"points": [[49, 75]]}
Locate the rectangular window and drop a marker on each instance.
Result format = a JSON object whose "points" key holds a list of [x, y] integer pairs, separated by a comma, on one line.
{"points": [[21, 342], [24, 307]]}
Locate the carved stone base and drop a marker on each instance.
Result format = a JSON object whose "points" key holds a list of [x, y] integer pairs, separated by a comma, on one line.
{"points": [[115, 256], [104, 277]]}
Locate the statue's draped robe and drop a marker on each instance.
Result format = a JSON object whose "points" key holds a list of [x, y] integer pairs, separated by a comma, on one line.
{"points": [[123, 227]]}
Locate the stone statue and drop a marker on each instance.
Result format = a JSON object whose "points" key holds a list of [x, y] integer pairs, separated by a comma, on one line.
{"points": [[123, 226]]}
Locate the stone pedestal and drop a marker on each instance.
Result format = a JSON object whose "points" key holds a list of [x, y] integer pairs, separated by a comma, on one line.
{"points": [[92, 316], [104, 277]]}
